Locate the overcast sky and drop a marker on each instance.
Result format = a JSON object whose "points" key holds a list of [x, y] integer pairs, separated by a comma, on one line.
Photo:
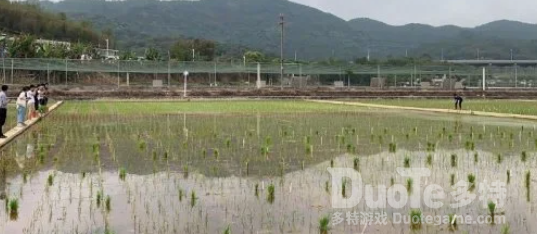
{"points": [[467, 13]]}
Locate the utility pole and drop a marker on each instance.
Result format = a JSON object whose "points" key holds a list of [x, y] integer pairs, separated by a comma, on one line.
{"points": [[442, 56], [477, 58], [368, 54], [282, 23], [511, 54], [193, 54]]}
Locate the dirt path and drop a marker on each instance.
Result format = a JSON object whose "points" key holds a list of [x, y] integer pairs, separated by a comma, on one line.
{"points": [[466, 112]]}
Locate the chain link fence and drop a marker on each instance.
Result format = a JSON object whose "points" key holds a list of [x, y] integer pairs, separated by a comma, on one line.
{"points": [[239, 73]]}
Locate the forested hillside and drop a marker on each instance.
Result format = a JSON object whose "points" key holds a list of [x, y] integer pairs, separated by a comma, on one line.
{"points": [[311, 33], [22, 18]]}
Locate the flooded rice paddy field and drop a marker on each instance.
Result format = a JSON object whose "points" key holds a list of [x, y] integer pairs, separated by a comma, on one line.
{"points": [[98, 167]]}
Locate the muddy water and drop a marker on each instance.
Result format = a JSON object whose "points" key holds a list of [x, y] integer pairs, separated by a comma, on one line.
{"points": [[207, 180]]}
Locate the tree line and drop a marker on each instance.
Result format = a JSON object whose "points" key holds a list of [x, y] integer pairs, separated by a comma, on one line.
{"points": [[27, 18]]}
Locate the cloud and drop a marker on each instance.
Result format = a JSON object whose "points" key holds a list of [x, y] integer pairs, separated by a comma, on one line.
{"points": [[467, 13]]}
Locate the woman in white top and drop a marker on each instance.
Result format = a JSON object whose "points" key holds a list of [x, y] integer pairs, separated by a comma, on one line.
{"points": [[21, 107], [31, 102]]}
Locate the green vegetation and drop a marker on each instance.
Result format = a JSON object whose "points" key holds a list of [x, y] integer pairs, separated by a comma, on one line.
{"points": [[324, 225], [500, 106], [20, 17], [415, 219]]}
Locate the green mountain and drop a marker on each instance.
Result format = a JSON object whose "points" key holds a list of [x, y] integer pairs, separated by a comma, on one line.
{"points": [[23, 18], [309, 32]]}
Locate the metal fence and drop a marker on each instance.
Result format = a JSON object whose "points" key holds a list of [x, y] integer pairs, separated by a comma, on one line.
{"points": [[241, 73]]}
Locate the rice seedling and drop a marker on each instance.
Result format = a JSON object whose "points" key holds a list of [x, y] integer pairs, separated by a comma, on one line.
{"points": [[227, 230], [216, 153], [452, 179], [528, 179], [471, 181], [356, 164], [204, 153], [499, 158], [99, 198], [429, 160], [470, 146], [256, 190], [393, 148], [415, 219], [492, 209], [13, 208], [193, 199], [409, 184], [122, 173], [108, 204], [508, 176], [50, 180], [165, 155], [453, 160], [324, 225], [309, 150], [332, 163], [406, 162], [506, 229], [228, 143], [452, 222], [431, 147], [523, 156], [181, 195], [476, 157], [155, 156], [327, 186], [392, 181], [142, 145], [270, 195], [344, 188]]}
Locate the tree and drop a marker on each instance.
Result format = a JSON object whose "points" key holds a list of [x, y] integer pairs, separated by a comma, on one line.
{"points": [[152, 54], [204, 50], [127, 55], [254, 56]]}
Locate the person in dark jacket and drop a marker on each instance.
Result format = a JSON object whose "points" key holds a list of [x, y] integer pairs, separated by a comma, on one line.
{"points": [[458, 101]]}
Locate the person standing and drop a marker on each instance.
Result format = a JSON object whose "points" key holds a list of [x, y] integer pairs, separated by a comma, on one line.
{"points": [[3, 109], [21, 107], [458, 101], [31, 102]]}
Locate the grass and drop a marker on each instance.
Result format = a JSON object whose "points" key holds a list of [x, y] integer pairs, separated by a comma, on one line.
{"points": [[270, 195], [492, 209], [107, 203], [415, 219], [324, 225], [14, 207], [223, 106], [499, 106], [122, 173]]}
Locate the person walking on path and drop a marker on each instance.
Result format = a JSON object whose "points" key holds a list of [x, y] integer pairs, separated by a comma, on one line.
{"points": [[3, 109], [21, 107], [458, 101]]}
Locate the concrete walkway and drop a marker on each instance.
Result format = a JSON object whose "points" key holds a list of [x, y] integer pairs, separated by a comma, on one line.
{"points": [[16, 131], [466, 112]]}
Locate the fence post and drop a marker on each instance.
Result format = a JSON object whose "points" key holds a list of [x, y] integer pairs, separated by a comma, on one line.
{"points": [[65, 72], [12, 67], [484, 78], [215, 73], [118, 79], [258, 83], [3, 69], [169, 75], [128, 81], [48, 73]]}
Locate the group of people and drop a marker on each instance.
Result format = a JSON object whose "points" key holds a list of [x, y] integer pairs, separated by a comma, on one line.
{"points": [[31, 103]]}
